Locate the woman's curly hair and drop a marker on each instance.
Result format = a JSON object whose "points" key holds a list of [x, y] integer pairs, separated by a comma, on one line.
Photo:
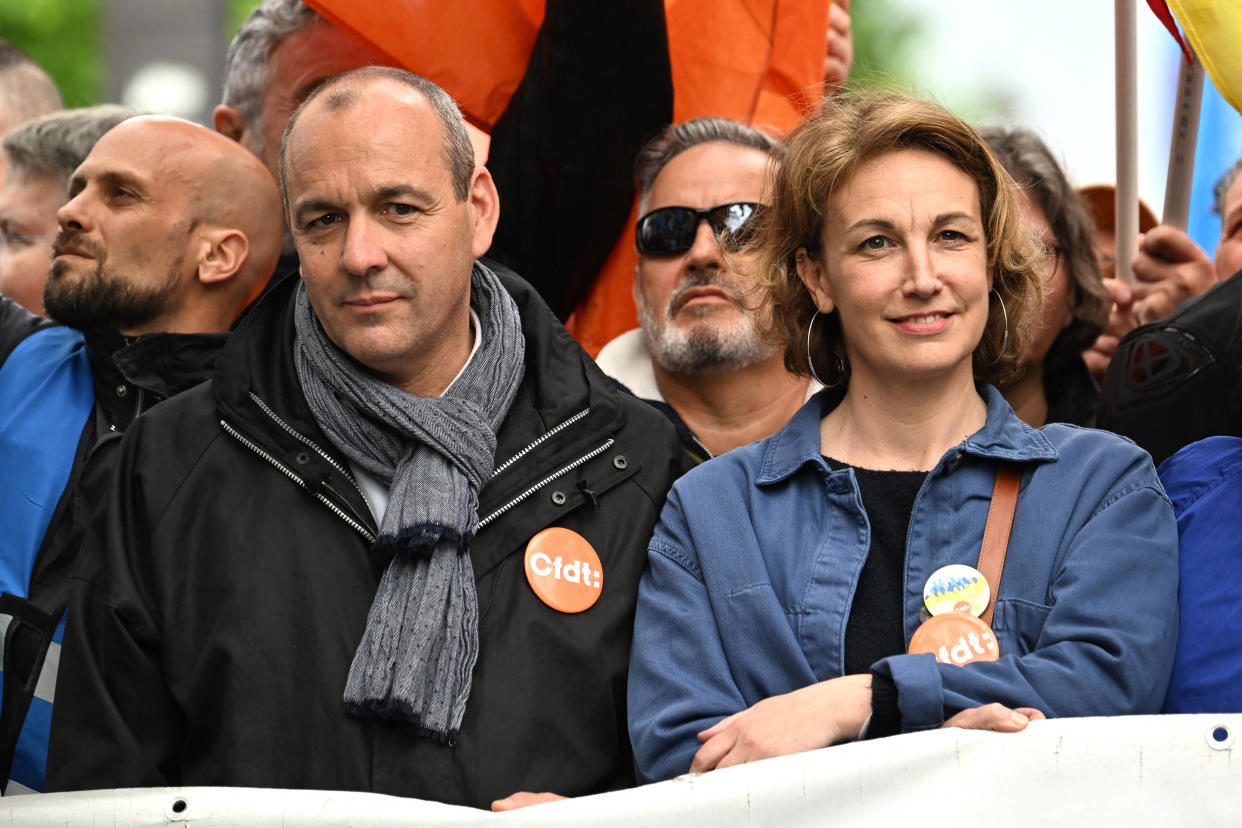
{"points": [[822, 156]]}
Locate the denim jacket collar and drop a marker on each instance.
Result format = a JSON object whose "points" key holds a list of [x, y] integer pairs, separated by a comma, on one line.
{"points": [[1003, 437]]}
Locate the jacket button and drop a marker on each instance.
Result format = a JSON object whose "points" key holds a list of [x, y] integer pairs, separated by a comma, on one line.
{"points": [[619, 462], [558, 497], [302, 458], [121, 390]]}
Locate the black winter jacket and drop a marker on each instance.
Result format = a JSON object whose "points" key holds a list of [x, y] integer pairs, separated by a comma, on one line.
{"points": [[219, 610], [128, 376]]}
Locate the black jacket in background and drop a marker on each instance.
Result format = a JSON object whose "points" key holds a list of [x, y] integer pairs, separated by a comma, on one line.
{"points": [[219, 608], [128, 376], [1178, 380], [1072, 394]]}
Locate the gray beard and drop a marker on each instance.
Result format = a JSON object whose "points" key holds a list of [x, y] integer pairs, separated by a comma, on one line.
{"points": [[702, 347]]}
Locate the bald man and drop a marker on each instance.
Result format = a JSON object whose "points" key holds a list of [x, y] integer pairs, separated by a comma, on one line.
{"points": [[169, 227], [169, 231]]}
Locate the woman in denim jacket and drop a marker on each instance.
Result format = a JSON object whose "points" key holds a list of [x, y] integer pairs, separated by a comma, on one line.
{"points": [[786, 577]]}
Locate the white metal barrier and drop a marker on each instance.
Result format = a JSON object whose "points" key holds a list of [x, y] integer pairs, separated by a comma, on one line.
{"points": [[1137, 770]]}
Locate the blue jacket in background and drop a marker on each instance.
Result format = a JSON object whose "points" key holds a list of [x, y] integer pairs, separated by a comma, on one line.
{"points": [[757, 555], [1204, 481]]}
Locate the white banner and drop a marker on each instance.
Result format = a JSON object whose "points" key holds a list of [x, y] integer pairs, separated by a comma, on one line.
{"points": [[1136, 770]]}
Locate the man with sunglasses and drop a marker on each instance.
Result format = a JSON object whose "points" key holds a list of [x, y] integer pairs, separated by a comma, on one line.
{"points": [[698, 356]]}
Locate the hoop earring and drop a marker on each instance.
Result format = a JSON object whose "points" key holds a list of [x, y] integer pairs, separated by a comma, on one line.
{"points": [[810, 361], [1005, 341]]}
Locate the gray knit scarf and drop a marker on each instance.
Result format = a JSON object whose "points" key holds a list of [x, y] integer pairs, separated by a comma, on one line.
{"points": [[416, 657]]}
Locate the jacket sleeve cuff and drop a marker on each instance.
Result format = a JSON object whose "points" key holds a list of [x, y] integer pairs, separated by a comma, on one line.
{"points": [[917, 687], [885, 717]]}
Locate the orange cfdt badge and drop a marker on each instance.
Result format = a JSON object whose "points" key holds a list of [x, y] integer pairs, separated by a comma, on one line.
{"points": [[563, 570], [955, 638]]}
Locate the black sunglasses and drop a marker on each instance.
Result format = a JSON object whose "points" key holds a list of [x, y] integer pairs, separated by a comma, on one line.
{"points": [[671, 230]]}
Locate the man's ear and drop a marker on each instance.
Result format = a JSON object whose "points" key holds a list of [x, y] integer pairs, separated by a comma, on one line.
{"points": [[230, 123], [222, 253], [813, 277], [485, 204]]}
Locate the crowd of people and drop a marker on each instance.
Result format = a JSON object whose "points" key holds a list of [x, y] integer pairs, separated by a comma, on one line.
{"points": [[306, 485]]}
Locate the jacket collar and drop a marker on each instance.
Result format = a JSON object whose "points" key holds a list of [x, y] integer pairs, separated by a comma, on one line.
{"points": [[1003, 437], [560, 380], [162, 364], [167, 363], [627, 360]]}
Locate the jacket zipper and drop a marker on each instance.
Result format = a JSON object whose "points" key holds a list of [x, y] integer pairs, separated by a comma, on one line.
{"points": [[289, 473], [306, 441], [558, 473], [362, 529], [539, 441]]}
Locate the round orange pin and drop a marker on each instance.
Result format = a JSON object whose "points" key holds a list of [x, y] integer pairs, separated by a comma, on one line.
{"points": [[955, 638], [563, 570]]}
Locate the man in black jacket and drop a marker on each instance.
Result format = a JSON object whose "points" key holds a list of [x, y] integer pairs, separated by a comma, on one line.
{"points": [[167, 234], [394, 546]]}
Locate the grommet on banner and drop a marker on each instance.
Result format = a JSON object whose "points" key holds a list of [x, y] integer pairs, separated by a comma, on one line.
{"points": [[178, 810], [1219, 737]]}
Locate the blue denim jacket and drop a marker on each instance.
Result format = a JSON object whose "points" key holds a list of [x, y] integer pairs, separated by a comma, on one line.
{"points": [[757, 554]]}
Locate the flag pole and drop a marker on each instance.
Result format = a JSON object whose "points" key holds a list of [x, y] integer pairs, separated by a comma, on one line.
{"points": [[1126, 53], [1182, 144]]}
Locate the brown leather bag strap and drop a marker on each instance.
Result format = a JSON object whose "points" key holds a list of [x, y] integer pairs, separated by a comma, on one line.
{"points": [[996, 533]]}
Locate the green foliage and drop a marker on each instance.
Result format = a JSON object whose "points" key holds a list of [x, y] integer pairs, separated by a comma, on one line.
{"points": [[65, 37], [889, 47], [236, 12], [62, 37], [885, 43]]}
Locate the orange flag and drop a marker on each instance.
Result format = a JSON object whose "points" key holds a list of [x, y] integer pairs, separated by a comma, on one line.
{"points": [[758, 61], [476, 49], [749, 60]]}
